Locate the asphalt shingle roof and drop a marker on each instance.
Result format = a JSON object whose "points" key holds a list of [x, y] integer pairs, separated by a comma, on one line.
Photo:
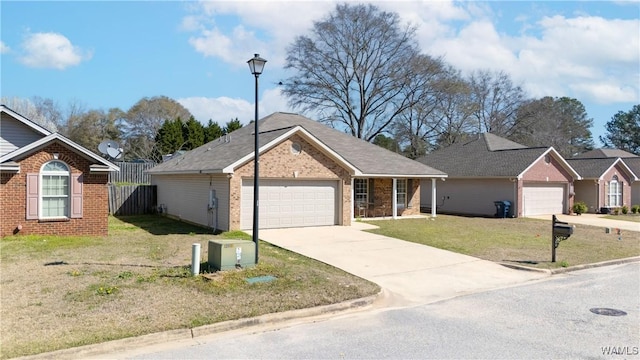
{"points": [[605, 153], [591, 168], [367, 158], [487, 155]]}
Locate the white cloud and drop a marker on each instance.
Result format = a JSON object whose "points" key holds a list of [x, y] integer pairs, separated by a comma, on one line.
{"points": [[590, 58], [51, 50], [4, 48], [266, 27], [223, 109]]}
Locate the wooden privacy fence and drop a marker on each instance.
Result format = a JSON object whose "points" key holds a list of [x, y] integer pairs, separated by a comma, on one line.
{"points": [[132, 173], [132, 199]]}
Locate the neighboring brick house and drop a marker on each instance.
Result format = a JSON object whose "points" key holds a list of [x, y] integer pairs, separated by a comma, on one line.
{"points": [[609, 179], [488, 168], [310, 175], [49, 185]]}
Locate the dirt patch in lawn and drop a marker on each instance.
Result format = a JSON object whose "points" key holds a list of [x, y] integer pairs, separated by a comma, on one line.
{"points": [[62, 292], [518, 241]]}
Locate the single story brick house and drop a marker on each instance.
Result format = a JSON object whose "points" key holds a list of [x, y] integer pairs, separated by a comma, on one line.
{"points": [[609, 179], [489, 168], [49, 185], [310, 175]]}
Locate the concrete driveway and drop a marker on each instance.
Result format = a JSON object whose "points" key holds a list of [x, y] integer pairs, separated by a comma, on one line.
{"points": [[409, 273], [594, 220]]}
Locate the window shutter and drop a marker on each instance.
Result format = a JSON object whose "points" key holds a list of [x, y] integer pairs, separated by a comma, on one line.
{"points": [[76, 195], [410, 193], [32, 196]]}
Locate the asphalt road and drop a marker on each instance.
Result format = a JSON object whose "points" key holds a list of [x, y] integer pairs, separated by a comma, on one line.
{"points": [[549, 318]]}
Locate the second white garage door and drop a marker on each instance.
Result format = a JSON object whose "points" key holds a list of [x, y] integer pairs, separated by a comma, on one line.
{"points": [[542, 199], [290, 203]]}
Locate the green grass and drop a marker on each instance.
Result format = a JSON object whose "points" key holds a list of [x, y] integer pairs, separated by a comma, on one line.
{"points": [[519, 241], [60, 292], [624, 217]]}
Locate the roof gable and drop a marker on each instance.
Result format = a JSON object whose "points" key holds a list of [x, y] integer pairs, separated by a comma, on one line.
{"points": [[17, 131], [102, 164], [595, 168], [23, 120], [361, 158]]}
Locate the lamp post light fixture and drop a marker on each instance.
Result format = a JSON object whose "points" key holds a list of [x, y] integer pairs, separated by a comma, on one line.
{"points": [[256, 65]]}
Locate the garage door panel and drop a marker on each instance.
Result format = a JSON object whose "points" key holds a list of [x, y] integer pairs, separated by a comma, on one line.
{"points": [[290, 203], [543, 199]]}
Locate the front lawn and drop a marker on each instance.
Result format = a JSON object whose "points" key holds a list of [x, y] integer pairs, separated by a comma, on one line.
{"points": [[61, 292], [518, 241], [624, 217]]}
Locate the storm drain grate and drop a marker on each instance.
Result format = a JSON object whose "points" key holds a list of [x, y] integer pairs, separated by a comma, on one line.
{"points": [[608, 312]]}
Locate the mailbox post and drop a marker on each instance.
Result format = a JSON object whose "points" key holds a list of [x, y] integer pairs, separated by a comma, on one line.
{"points": [[560, 231]]}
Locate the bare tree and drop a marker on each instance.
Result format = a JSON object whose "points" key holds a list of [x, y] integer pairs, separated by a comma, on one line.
{"points": [[357, 69], [496, 100]]}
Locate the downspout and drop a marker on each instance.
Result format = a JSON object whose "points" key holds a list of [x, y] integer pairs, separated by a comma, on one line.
{"points": [[433, 197]]}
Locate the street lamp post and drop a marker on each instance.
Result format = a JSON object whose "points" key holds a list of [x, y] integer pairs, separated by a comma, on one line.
{"points": [[256, 65]]}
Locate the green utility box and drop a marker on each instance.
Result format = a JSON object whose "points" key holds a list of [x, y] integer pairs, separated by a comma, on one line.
{"points": [[231, 254]]}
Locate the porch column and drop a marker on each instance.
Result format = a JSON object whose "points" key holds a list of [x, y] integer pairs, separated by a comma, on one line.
{"points": [[353, 215], [394, 200], [433, 197]]}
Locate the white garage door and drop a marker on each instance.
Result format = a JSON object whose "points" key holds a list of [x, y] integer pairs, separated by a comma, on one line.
{"points": [[543, 199], [290, 203]]}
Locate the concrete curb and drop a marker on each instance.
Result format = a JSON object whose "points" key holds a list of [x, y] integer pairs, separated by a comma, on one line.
{"points": [[594, 265], [572, 268], [108, 347]]}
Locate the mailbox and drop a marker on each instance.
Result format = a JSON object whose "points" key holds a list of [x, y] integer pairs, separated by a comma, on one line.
{"points": [[560, 231], [564, 230]]}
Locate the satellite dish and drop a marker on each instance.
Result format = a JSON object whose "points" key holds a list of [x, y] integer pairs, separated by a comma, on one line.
{"points": [[113, 152], [111, 149]]}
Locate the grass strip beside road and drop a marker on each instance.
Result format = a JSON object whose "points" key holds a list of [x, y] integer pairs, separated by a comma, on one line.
{"points": [[518, 241], [62, 292]]}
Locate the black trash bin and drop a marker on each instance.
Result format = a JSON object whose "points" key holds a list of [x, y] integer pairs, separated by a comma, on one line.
{"points": [[502, 208]]}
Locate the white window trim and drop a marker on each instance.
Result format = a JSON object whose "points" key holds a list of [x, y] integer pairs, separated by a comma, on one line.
{"points": [[398, 193], [41, 195], [615, 198], [356, 193]]}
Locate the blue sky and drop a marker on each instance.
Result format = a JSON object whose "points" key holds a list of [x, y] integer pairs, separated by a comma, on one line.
{"points": [[113, 53]]}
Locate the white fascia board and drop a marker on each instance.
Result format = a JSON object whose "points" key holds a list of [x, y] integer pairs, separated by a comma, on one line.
{"points": [[559, 157], [24, 120], [309, 137], [102, 168]]}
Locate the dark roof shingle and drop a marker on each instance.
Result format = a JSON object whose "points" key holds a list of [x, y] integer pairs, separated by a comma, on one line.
{"points": [[487, 155], [368, 158]]}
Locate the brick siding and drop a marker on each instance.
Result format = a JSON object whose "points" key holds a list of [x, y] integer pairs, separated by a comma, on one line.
{"points": [[13, 186], [280, 162]]}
